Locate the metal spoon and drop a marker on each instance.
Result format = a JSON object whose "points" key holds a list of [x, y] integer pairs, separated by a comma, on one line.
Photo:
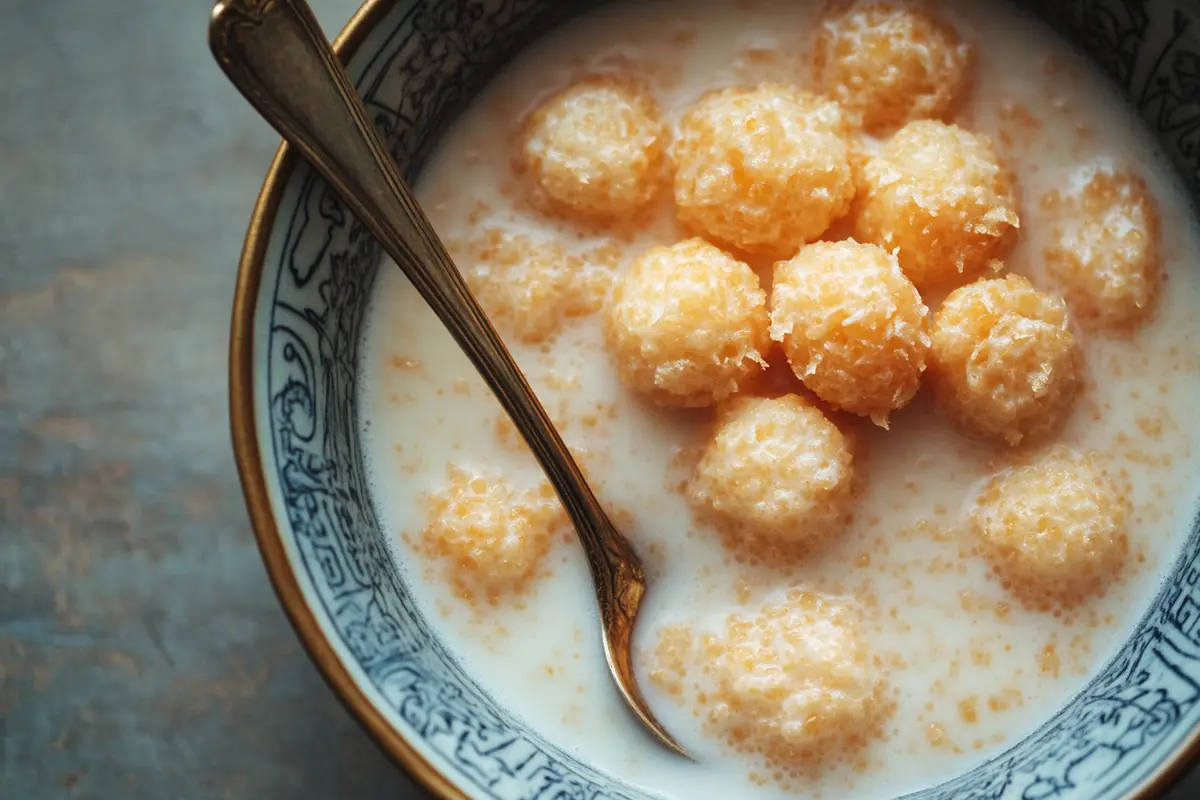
{"points": [[275, 54]]}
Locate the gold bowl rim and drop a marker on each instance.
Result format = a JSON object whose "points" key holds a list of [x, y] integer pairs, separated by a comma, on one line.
{"points": [[250, 466]]}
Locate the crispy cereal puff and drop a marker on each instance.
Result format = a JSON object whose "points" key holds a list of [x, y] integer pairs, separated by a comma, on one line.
{"points": [[529, 287], [796, 683], [1053, 531], [597, 150], [763, 170], [493, 538], [938, 198], [889, 65], [1005, 362], [1105, 251], [775, 478], [853, 326], [687, 324]]}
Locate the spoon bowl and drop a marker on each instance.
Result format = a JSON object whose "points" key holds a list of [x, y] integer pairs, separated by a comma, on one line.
{"points": [[273, 51]]}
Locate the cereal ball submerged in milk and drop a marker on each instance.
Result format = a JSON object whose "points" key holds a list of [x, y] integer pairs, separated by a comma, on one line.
{"points": [[763, 170], [687, 324], [493, 538], [796, 683], [775, 478], [1053, 531], [938, 197], [530, 288], [1105, 251], [853, 326], [597, 150], [889, 65], [1005, 362]]}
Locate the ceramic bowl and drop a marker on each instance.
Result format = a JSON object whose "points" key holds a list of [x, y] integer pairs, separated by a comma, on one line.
{"points": [[305, 278]]}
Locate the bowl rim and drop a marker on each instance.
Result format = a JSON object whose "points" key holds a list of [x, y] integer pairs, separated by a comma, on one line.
{"points": [[266, 528]]}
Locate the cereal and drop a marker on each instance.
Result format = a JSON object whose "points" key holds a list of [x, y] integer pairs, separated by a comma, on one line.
{"points": [[937, 197], [854, 328], [687, 324], [889, 65], [1105, 251], [775, 478], [1005, 363], [892, 504], [1054, 531], [530, 288], [597, 150], [796, 683], [493, 538], [763, 170]]}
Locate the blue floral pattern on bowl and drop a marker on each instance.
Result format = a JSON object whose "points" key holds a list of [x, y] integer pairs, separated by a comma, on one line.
{"points": [[420, 63]]}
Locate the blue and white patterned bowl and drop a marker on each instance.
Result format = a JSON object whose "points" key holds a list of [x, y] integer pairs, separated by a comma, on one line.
{"points": [[305, 277]]}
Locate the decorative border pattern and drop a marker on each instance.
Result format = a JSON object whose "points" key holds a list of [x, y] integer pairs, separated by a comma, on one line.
{"points": [[434, 57]]}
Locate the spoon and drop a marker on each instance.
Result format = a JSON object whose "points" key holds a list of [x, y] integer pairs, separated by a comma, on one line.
{"points": [[275, 54]]}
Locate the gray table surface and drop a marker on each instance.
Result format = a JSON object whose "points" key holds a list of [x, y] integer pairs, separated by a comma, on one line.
{"points": [[142, 652]]}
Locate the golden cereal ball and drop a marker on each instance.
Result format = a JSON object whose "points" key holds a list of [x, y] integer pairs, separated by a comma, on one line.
{"points": [[1105, 251], [796, 683], [889, 65], [763, 170], [775, 478], [937, 197], [1005, 362], [530, 288], [493, 538], [687, 324], [1053, 531], [853, 326], [597, 150]]}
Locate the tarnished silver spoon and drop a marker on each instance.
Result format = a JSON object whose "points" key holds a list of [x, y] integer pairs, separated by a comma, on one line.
{"points": [[275, 54]]}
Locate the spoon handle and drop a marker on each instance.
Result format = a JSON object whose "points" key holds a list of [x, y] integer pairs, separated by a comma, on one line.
{"points": [[275, 54]]}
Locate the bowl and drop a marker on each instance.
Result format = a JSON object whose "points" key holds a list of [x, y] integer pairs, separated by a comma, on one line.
{"points": [[305, 277]]}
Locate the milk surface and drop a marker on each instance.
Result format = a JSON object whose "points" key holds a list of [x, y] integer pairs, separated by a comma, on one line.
{"points": [[973, 671]]}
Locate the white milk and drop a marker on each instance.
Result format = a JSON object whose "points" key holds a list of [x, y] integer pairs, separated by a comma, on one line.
{"points": [[970, 678]]}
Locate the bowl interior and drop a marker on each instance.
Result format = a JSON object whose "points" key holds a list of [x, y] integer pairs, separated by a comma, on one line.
{"points": [[417, 64]]}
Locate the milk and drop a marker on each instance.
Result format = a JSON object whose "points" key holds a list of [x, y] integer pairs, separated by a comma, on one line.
{"points": [[972, 670]]}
